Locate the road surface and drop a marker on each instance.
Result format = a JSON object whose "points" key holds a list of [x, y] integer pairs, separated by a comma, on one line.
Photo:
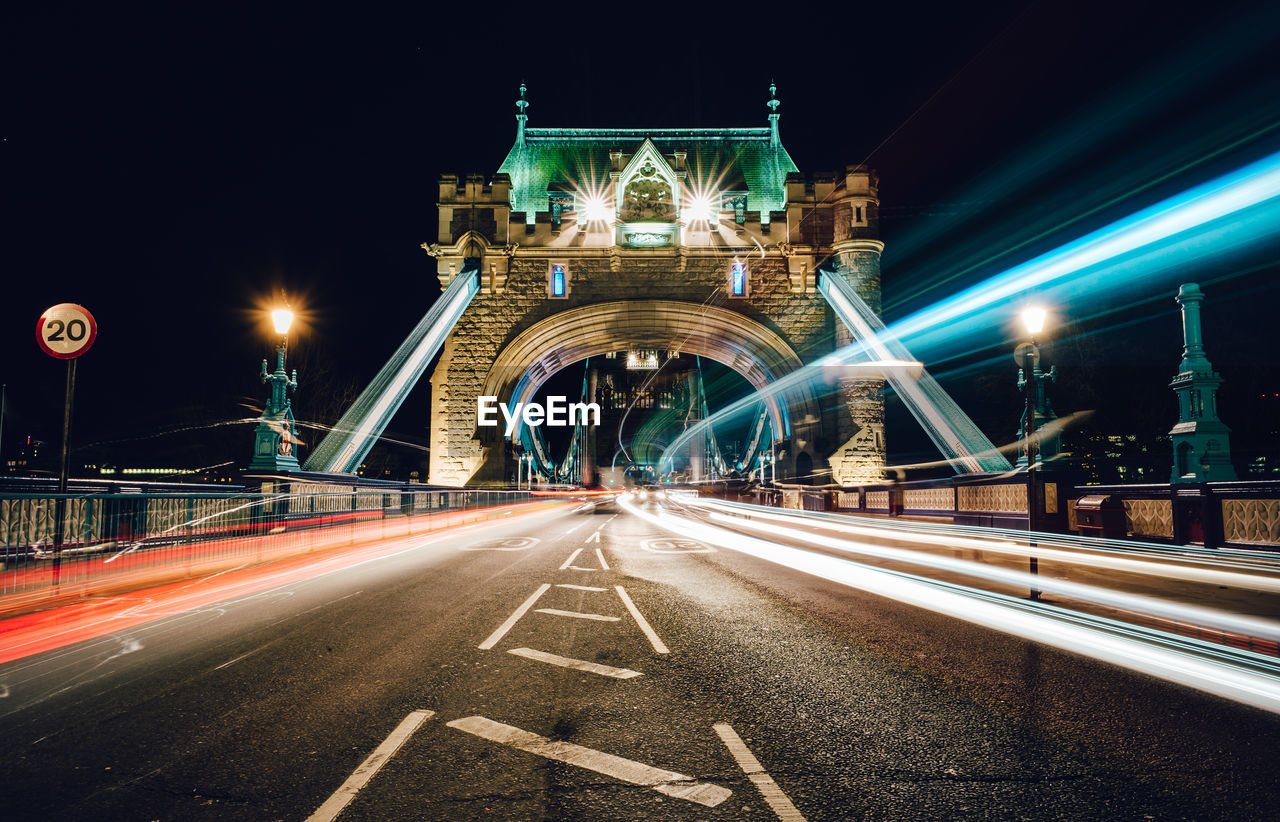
{"points": [[596, 666]]}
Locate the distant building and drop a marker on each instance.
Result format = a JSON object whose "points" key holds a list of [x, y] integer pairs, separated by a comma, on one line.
{"points": [[1263, 461], [1105, 459], [34, 458]]}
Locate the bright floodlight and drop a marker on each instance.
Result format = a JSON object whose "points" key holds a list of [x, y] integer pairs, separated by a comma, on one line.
{"points": [[282, 318], [594, 210], [700, 210], [1033, 319]]}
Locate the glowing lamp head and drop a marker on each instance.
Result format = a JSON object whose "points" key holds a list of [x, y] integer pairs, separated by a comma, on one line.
{"points": [[700, 210], [1033, 318], [282, 318], [595, 210]]}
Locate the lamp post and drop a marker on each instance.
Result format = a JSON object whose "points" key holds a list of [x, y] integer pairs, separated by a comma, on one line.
{"points": [[1029, 358], [768, 472], [276, 437]]}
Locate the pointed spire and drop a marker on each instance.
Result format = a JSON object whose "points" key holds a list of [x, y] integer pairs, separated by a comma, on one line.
{"points": [[521, 104], [773, 104]]}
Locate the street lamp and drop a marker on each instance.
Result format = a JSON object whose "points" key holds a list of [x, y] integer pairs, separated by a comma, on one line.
{"points": [[1028, 356], [276, 435], [282, 318]]}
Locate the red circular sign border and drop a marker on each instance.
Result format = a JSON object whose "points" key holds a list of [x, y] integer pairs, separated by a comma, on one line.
{"points": [[93, 331]]}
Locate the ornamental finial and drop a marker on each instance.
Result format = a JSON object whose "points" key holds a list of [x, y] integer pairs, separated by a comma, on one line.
{"points": [[522, 103], [774, 102]]}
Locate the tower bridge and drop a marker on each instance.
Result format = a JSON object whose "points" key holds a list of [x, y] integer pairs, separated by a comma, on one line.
{"points": [[706, 242], [702, 241]]}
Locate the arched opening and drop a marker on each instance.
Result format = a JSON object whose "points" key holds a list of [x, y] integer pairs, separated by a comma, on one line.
{"points": [[645, 403], [1185, 452], [661, 327], [804, 468]]}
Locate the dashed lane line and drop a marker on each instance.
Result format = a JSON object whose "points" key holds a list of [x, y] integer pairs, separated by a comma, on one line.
{"points": [[569, 562], [604, 565], [361, 776], [577, 615], [580, 587], [665, 782], [575, 664], [657, 644], [514, 618], [746, 760]]}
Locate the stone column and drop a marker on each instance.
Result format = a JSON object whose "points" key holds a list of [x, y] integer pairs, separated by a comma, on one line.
{"points": [[862, 456]]}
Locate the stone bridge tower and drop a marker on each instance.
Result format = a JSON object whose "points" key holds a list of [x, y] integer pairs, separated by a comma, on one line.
{"points": [[704, 241]]}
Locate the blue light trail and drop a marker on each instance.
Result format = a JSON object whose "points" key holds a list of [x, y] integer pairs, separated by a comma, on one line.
{"points": [[1218, 217]]}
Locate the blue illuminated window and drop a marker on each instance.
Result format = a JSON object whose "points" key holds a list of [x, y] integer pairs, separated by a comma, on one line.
{"points": [[738, 279], [559, 280]]}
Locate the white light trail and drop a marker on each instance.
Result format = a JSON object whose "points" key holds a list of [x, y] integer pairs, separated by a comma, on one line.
{"points": [[1187, 573], [1253, 626], [982, 608]]}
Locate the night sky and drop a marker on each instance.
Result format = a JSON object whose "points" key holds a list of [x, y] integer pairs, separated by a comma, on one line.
{"points": [[172, 168]]}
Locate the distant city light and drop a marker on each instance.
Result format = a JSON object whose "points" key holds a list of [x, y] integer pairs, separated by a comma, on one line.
{"points": [[148, 471]]}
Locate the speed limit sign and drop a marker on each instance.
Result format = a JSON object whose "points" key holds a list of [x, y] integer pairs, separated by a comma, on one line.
{"points": [[66, 331]]}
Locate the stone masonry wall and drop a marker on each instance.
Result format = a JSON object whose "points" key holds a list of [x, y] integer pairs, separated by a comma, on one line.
{"points": [[494, 319]]}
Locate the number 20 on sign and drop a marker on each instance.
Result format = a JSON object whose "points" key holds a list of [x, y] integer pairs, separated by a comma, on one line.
{"points": [[66, 331]]}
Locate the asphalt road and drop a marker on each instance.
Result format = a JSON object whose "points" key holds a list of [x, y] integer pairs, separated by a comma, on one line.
{"points": [[856, 707]]}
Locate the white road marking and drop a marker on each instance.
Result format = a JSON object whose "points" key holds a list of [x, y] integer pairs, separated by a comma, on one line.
{"points": [[570, 560], [343, 796], [579, 568], [676, 545], [557, 612], [575, 664], [579, 587], [595, 536], [506, 544], [642, 622], [514, 618], [746, 760], [637, 773], [603, 564], [574, 528]]}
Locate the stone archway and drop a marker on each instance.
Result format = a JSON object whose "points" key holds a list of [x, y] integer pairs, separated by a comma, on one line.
{"points": [[750, 348]]}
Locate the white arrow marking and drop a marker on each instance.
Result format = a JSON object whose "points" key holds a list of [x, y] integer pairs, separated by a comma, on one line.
{"points": [[575, 664], [514, 618], [755, 772], [658, 644], [637, 773], [343, 796], [576, 615]]}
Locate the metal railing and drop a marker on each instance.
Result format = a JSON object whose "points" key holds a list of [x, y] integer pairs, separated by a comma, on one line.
{"points": [[111, 538]]}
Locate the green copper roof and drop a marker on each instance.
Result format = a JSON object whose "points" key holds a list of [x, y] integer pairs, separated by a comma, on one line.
{"points": [[719, 159]]}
